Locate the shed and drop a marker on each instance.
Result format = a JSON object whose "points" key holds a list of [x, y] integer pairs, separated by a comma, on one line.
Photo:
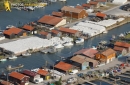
{"points": [[86, 6], [74, 12], [87, 52], [56, 33], [57, 14], [44, 74], [52, 21], [19, 78], [83, 62], [14, 32], [69, 32], [102, 2], [79, 7], [94, 4], [33, 76], [45, 35], [101, 15], [29, 29], [106, 55], [5, 83], [63, 67]]}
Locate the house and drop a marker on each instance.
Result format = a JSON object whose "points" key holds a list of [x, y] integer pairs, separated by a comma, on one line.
{"points": [[43, 73], [101, 15], [29, 29], [69, 32], [5, 83], [74, 12], [79, 7], [102, 2], [83, 62], [94, 4], [45, 35], [87, 52], [57, 14], [52, 21], [87, 6], [14, 32], [19, 78], [63, 67], [120, 51], [56, 33], [33, 76], [106, 55]]}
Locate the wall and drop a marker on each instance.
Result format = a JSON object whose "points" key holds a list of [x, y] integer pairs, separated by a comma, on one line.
{"points": [[63, 22]]}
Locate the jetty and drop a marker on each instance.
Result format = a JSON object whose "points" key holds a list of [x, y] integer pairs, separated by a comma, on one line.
{"points": [[124, 76], [9, 67]]}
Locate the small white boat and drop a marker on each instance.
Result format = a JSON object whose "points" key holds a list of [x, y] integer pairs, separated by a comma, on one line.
{"points": [[79, 40], [9, 26], [62, 0], [12, 57], [105, 31], [53, 0], [68, 44], [2, 60], [30, 8], [93, 47], [26, 54], [58, 46], [44, 51]]}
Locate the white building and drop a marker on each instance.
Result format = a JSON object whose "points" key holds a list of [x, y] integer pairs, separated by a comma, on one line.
{"points": [[119, 1]]}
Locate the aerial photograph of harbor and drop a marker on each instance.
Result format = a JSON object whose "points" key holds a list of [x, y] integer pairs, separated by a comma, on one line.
{"points": [[64, 42]]}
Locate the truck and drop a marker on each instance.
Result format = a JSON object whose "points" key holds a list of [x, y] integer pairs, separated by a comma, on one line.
{"points": [[39, 80], [73, 72]]}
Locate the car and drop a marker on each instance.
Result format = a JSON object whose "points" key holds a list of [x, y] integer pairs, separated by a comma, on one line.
{"points": [[39, 80], [73, 72]]}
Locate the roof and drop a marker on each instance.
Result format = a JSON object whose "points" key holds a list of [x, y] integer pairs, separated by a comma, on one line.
{"points": [[44, 33], [78, 59], [13, 30], [55, 31], [108, 52], [100, 14], [17, 75], [59, 14], [51, 20], [101, 0], [79, 7], [29, 73], [116, 48], [122, 44], [28, 27], [67, 30], [5, 83], [93, 3], [71, 9], [63, 66], [87, 52], [42, 72], [86, 5]]}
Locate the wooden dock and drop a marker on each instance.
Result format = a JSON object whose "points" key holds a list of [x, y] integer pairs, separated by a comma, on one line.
{"points": [[107, 81], [124, 76]]}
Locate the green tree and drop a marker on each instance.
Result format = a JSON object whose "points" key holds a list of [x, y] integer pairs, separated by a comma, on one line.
{"points": [[59, 82]]}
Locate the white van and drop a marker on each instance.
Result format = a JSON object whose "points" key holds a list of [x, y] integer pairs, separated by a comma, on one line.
{"points": [[73, 72], [39, 80]]}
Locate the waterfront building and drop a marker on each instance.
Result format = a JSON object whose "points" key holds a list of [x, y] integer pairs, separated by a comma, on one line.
{"points": [[69, 32], [51, 21], [74, 12], [94, 4], [57, 14], [87, 6], [79, 7], [33, 76], [19, 78], [45, 35], [63, 67], [83, 62], [101, 15], [89, 52], [44, 74], [56, 33], [29, 29], [102, 2], [14, 32], [106, 55], [2, 82]]}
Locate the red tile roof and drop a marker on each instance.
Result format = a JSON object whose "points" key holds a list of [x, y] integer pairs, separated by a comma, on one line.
{"points": [[86, 5], [51, 20], [17, 75], [116, 48], [93, 3], [79, 7], [5, 83], [67, 30], [59, 14], [108, 52], [63, 66], [29, 73], [42, 72], [28, 27], [12, 31], [87, 52], [55, 31], [101, 15], [71, 9], [101, 0], [44, 33], [122, 44]]}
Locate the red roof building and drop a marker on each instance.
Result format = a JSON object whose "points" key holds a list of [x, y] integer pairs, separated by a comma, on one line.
{"points": [[101, 15], [28, 27], [94, 4], [57, 14], [45, 35], [122, 44], [79, 7], [5, 83], [56, 33], [43, 72], [86, 5]]}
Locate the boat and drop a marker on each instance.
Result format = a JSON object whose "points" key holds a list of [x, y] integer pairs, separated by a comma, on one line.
{"points": [[67, 44], [44, 51], [105, 31], [2, 60], [52, 50], [26, 54], [30, 8], [79, 40], [12, 57], [18, 8], [9, 26], [93, 47], [62, 0], [53, 0], [58, 46]]}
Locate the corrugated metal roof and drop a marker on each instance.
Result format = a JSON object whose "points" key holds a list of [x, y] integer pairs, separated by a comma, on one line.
{"points": [[17, 75], [28, 27], [122, 44], [116, 48], [108, 52], [71, 9], [59, 14], [67, 30], [100, 14]]}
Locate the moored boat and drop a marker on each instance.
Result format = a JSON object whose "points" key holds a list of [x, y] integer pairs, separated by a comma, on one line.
{"points": [[79, 40], [2, 60], [67, 44], [12, 57], [58, 46], [26, 54]]}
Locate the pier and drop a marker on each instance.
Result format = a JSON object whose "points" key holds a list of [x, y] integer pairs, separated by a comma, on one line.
{"points": [[89, 82], [124, 76], [9, 68]]}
